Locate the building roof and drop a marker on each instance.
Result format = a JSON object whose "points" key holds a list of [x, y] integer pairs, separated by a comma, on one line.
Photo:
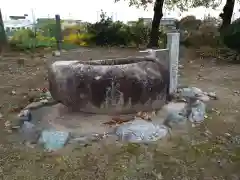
{"points": [[17, 17]]}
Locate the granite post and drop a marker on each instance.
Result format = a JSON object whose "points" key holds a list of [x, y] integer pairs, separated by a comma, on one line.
{"points": [[173, 39]]}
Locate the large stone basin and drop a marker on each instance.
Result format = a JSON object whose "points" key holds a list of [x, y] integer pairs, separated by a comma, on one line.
{"points": [[125, 85]]}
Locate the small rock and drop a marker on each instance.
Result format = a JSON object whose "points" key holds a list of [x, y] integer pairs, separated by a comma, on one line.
{"points": [[44, 101], [236, 140], [1, 116], [13, 92], [207, 133], [48, 95], [25, 115], [140, 131], [191, 92], [53, 140], [215, 110], [227, 135], [197, 113], [204, 98], [56, 53], [212, 95], [197, 90], [199, 77], [236, 92], [29, 132]]}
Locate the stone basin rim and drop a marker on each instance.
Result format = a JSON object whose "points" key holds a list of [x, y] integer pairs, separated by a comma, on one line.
{"points": [[117, 61]]}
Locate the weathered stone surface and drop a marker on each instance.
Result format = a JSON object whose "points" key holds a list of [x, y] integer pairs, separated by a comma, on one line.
{"points": [[110, 86], [140, 131]]}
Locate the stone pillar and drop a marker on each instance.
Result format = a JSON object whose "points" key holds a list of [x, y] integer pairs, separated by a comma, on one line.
{"points": [[171, 61], [173, 39]]}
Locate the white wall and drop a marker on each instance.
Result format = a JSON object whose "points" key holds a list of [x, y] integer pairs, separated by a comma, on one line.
{"points": [[16, 24]]}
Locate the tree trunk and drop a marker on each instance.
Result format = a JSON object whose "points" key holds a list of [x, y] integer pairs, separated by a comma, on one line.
{"points": [[3, 38], [158, 14], [227, 13]]}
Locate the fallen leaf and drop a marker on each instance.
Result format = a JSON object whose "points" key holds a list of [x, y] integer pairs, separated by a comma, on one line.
{"points": [[118, 120], [145, 115]]}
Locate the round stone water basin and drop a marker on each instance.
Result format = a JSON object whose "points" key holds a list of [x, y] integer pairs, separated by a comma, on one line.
{"points": [[125, 85]]}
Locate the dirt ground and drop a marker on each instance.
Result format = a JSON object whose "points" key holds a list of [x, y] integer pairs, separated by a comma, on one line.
{"points": [[207, 152]]}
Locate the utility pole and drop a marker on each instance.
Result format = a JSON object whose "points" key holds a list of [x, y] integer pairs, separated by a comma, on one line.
{"points": [[34, 31], [58, 34]]}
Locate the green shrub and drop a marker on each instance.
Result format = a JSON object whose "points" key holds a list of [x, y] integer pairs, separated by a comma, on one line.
{"points": [[27, 39], [201, 38], [205, 34], [81, 39], [139, 33], [189, 23], [231, 36], [22, 39], [107, 32]]}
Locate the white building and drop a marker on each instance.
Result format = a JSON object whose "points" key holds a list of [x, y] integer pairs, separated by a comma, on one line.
{"points": [[17, 24], [70, 22], [164, 21]]}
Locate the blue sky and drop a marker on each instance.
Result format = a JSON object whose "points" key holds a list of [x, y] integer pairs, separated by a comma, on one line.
{"points": [[88, 10]]}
